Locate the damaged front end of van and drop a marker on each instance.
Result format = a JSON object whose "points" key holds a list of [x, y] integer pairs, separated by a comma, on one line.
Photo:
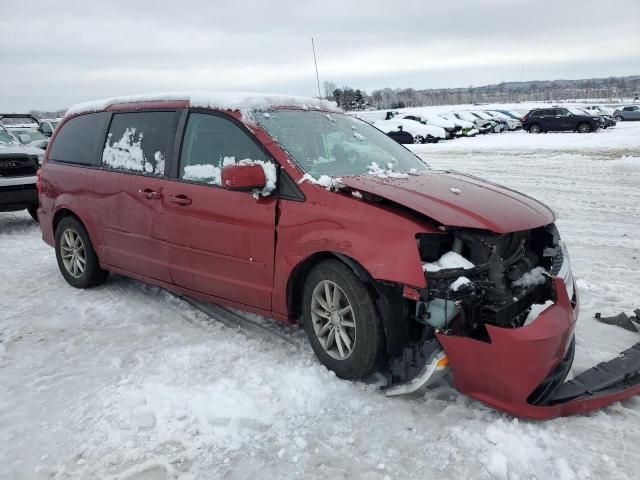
{"points": [[499, 311]]}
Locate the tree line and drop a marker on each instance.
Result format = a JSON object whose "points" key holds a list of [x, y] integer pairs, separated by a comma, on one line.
{"points": [[611, 89]]}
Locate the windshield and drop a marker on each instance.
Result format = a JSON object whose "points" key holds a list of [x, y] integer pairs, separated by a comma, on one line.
{"points": [[335, 144], [575, 111], [6, 137]]}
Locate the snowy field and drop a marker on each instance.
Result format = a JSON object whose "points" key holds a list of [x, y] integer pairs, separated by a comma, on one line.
{"points": [[127, 381]]}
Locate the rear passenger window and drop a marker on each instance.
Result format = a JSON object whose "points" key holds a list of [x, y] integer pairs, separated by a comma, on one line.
{"points": [[210, 142], [139, 142], [80, 140]]}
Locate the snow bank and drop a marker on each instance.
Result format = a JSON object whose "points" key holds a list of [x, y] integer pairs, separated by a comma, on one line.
{"points": [[448, 261], [214, 99]]}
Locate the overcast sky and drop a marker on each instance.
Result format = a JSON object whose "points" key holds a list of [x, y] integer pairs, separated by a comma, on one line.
{"points": [[56, 53]]}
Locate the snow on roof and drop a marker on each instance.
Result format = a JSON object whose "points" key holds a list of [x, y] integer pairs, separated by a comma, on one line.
{"points": [[242, 101]]}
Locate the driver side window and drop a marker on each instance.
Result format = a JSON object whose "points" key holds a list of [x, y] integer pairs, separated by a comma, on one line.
{"points": [[211, 142]]}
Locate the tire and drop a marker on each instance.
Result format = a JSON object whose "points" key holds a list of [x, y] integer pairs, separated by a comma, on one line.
{"points": [[535, 128], [72, 241], [418, 139], [361, 324], [33, 211], [619, 118], [584, 127]]}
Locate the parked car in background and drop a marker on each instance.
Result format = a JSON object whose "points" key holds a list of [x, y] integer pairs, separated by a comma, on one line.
{"points": [[631, 112], [26, 128], [558, 120], [606, 121], [398, 127], [450, 128], [18, 166], [468, 129], [600, 109], [48, 125], [309, 215], [484, 126], [511, 122], [497, 125]]}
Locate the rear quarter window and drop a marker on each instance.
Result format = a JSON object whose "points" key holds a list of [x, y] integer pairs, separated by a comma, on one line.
{"points": [[139, 142], [80, 140]]}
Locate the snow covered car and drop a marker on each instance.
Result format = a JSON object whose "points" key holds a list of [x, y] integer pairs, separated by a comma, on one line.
{"points": [[510, 122], [18, 166], [25, 128], [452, 130], [48, 125], [484, 126], [288, 208], [467, 128], [420, 133]]}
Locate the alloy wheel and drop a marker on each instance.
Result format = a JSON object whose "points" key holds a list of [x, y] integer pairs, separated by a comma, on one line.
{"points": [[333, 320], [72, 251], [418, 139]]}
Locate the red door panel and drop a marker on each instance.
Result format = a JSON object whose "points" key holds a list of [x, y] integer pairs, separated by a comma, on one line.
{"points": [[221, 242]]}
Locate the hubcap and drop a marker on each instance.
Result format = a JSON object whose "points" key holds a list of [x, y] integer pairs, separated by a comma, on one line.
{"points": [[73, 254], [417, 139], [333, 320]]}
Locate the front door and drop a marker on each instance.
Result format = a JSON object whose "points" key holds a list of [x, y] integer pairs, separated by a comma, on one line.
{"points": [[221, 242], [129, 192]]}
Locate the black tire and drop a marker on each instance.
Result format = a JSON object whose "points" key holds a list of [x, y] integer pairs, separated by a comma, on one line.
{"points": [[418, 139], [369, 343], [535, 128], [584, 127], [33, 211], [619, 118], [92, 274]]}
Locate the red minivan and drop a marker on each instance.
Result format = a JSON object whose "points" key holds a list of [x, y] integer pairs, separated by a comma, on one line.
{"points": [[285, 207]]}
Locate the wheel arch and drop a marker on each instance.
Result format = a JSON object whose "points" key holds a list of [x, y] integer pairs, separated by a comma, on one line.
{"points": [[389, 303]]}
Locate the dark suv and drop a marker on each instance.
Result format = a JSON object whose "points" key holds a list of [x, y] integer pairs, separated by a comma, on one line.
{"points": [[558, 120]]}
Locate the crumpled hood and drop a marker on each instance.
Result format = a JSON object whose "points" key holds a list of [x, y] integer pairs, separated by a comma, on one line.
{"points": [[457, 200]]}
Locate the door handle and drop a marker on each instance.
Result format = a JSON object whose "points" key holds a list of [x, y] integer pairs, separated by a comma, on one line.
{"points": [[180, 199], [150, 194]]}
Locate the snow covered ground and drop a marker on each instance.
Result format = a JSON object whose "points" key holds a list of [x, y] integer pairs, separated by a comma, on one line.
{"points": [[127, 381]]}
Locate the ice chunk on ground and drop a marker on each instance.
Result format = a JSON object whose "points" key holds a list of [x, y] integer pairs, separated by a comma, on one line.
{"points": [[447, 261]]}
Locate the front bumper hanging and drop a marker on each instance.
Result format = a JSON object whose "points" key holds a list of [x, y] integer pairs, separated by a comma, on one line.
{"points": [[521, 370]]}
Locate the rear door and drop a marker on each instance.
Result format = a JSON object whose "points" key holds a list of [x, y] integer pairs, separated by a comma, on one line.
{"points": [[221, 242], [129, 192]]}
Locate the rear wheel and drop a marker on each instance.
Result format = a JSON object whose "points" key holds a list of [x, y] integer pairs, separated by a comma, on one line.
{"points": [[584, 127], [535, 128], [76, 257], [341, 321], [418, 139], [33, 211]]}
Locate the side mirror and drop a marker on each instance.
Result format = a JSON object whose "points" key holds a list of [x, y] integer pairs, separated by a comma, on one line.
{"points": [[24, 138], [243, 177]]}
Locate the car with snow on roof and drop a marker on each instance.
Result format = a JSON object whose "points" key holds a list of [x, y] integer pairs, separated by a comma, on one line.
{"points": [[420, 132], [288, 208]]}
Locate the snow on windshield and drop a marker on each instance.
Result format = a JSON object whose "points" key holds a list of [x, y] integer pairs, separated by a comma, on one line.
{"points": [[335, 145]]}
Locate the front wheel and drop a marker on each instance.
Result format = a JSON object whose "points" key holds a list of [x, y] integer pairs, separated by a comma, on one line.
{"points": [[584, 128], [341, 321], [418, 139], [619, 118], [535, 128], [77, 260]]}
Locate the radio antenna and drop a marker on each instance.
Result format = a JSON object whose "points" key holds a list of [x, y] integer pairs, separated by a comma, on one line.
{"points": [[315, 61]]}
